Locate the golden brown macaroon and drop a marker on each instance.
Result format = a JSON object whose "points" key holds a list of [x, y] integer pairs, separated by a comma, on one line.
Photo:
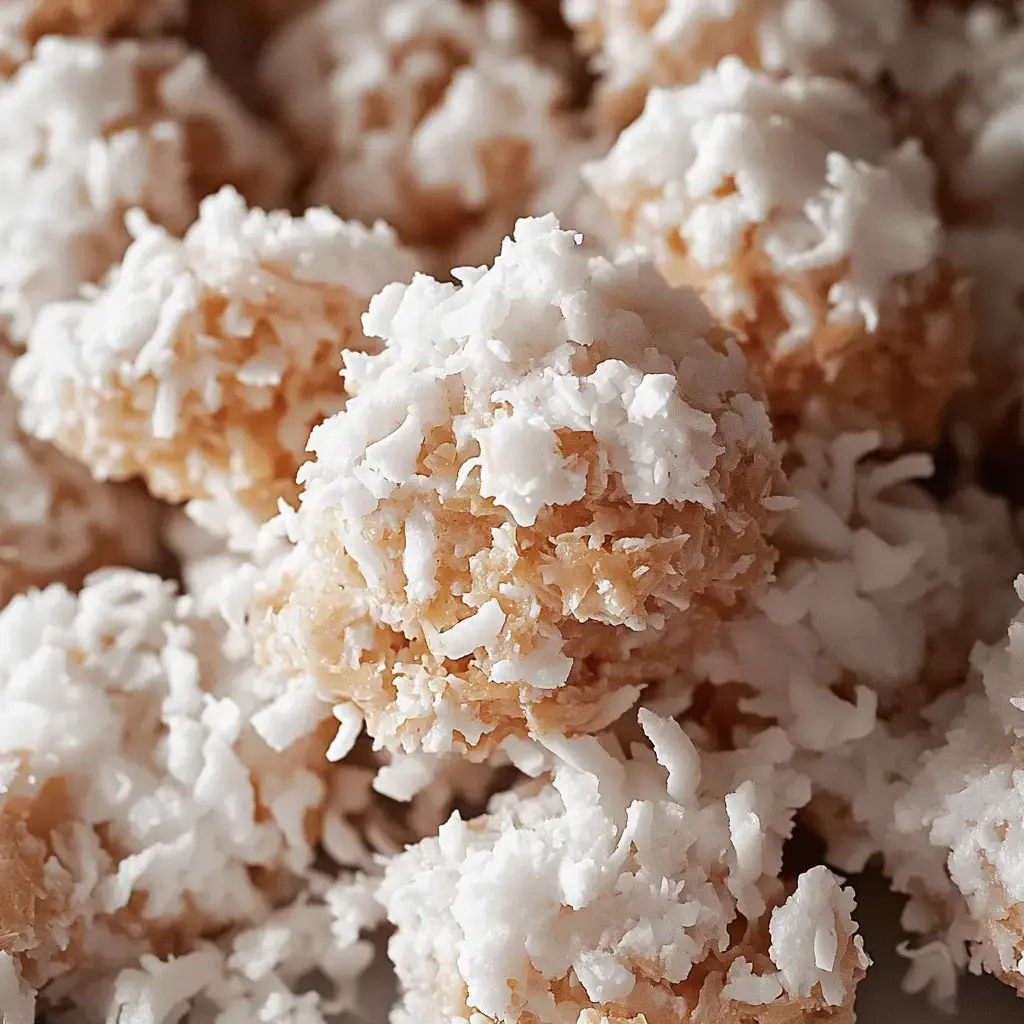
{"points": [[546, 489], [90, 130], [787, 207], [202, 363], [636, 887]]}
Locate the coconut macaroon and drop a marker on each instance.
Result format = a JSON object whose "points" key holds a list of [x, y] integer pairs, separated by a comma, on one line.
{"points": [[862, 640], [966, 799], [90, 130], [202, 363], [859, 649], [786, 205], [25, 22], [880, 593], [546, 488], [156, 787], [259, 972], [635, 45], [430, 114], [56, 522], [959, 85], [632, 887]]}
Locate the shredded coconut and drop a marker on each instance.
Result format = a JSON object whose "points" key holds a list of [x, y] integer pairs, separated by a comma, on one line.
{"points": [[787, 206], [24, 22], [637, 44], [859, 650], [431, 114], [542, 493], [138, 802], [615, 890], [880, 594], [56, 522], [966, 800], [89, 130], [203, 363]]}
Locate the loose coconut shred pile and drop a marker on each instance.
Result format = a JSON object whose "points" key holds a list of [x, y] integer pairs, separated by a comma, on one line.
{"points": [[476, 476]]}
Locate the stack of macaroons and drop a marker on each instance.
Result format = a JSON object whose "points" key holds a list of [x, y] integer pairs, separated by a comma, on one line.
{"points": [[382, 558]]}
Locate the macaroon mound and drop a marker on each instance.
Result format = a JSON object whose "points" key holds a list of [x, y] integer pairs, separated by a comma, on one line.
{"points": [[202, 363], [56, 522], [635, 45], [90, 130], [24, 22], [966, 802], [141, 808], [546, 488], [633, 887], [431, 114], [789, 208]]}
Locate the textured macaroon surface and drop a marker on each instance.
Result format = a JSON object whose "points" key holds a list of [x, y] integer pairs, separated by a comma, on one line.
{"points": [[56, 521], [788, 206], [202, 363], [155, 787], [638, 44], [531, 589], [640, 884], [551, 479], [90, 130], [965, 801], [441, 116], [25, 22]]}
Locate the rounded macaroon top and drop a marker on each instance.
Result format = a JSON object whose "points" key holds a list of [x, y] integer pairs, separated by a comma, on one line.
{"points": [[443, 117], [620, 889], [549, 460], [639, 44], [89, 130], [202, 362], [805, 228]]}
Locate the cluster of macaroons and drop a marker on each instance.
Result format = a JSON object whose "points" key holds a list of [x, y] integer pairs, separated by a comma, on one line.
{"points": [[627, 546]]}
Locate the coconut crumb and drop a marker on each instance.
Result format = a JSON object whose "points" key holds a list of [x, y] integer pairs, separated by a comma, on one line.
{"points": [[202, 363], [255, 973], [859, 650], [622, 888], [880, 593], [431, 114], [635, 45], [89, 130], [801, 225], [543, 492]]}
